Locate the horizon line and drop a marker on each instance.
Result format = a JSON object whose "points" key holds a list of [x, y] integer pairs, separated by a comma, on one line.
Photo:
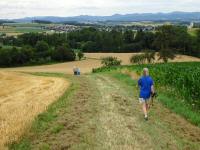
{"points": [[122, 14]]}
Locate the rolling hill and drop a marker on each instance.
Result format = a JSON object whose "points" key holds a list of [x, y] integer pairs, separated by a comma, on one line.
{"points": [[173, 16]]}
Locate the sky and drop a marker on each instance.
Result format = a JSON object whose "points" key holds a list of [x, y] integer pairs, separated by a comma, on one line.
{"points": [[11, 9]]}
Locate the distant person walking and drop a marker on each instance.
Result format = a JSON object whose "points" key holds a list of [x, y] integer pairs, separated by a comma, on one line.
{"points": [[76, 71], [146, 85]]}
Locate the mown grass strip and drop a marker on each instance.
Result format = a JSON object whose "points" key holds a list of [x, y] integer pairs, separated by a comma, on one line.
{"points": [[43, 120], [158, 123], [168, 98]]}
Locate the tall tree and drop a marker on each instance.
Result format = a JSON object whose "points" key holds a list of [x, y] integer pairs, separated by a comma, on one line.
{"points": [[128, 36], [165, 37], [64, 53], [42, 49]]}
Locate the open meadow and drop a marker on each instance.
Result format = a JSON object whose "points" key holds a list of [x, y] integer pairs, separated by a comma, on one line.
{"points": [[14, 29]]}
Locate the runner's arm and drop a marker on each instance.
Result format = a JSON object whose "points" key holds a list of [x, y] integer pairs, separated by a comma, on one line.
{"points": [[139, 83], [152, 89]]}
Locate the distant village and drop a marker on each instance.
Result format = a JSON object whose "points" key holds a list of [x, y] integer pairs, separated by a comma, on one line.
{"points": [[62, 28], [70, 28], [65, 28]]}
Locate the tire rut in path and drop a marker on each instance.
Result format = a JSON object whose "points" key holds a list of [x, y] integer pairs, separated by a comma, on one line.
{"points": [[118, 128]]}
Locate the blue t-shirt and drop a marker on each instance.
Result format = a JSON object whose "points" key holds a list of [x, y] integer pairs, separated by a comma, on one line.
{"points": [[145, 83]]}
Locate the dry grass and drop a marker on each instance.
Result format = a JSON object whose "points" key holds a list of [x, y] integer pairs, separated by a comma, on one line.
{"points": [[125, 57], [22, 98], [85, 66], [183, 58], [92, 61], [13, 34]]}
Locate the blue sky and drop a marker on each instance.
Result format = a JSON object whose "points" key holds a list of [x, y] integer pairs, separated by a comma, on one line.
{"points": [[27, 8]]}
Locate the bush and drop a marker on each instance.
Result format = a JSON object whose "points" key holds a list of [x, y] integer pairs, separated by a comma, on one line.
{"points": [[111, 61], [166, 54], [138, 59], [80, 55], [147, 56]]}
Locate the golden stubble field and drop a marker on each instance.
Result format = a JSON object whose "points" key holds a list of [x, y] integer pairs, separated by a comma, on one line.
{"points": [[93, 60], [22, 98]]}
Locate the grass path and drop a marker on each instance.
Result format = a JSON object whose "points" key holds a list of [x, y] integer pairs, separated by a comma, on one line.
{"points": [[117, 128], [103, 113]]}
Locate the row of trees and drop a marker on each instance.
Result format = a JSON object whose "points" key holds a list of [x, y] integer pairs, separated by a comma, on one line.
{"points": [[31, 39], [41, 53], [93, 40], [167, 38]]}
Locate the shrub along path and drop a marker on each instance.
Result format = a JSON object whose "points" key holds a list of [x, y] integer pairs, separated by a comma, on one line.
{"points": [[103, 113]]}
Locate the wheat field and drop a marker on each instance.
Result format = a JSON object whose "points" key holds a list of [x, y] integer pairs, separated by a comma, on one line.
{"points": [[22, 98], [93, 60]]}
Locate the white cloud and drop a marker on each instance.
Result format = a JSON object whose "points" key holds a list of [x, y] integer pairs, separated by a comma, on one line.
{"points": [[24, 8]]}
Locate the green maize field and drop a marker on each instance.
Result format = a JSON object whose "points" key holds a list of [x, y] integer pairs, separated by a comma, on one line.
{"points": [[184, 78]]}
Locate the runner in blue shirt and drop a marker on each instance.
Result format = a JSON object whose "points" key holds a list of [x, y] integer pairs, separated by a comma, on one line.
{"points": [[146, 88]]}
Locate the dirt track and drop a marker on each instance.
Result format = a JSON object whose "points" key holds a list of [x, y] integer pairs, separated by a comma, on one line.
{"points": [[22, 97], [110, 118], [92, 61]]}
